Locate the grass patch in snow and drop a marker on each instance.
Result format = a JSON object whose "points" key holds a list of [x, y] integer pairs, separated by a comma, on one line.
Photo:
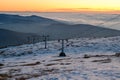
{"points": [[103, 60], [31, 64]]}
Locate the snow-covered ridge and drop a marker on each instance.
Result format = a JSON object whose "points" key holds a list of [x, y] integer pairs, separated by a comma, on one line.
{"points": [[74, 46]]}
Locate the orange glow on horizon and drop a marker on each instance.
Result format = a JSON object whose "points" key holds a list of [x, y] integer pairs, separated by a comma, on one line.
{"points": [[95, 6]]}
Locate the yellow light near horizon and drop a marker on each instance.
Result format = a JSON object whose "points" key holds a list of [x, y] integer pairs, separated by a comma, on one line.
{"points": [[59, 5]]}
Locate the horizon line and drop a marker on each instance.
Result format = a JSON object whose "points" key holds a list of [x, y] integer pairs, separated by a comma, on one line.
{"points": [[82, 11]]}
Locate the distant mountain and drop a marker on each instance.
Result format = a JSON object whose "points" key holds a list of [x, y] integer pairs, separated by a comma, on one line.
{"points": [[56, 29], [80, 30], [7, 18], [9, 38]]}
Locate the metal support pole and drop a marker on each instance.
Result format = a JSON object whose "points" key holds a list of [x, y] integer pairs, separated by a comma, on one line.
{"points": [[62, 46], [62, 54], [45, 40]]}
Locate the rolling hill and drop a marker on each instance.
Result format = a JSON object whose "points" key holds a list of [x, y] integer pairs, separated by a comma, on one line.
{"points": [[44, 26], [10, 38]]}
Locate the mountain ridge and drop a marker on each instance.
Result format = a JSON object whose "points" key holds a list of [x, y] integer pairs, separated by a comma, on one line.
{"points": [[55, 29]]}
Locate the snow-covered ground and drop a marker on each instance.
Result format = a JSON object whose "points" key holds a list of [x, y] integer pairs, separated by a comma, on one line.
{"points": [[33, 62]]}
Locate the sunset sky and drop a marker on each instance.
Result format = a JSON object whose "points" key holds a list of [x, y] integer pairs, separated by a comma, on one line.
{"points": [[61, 5]]}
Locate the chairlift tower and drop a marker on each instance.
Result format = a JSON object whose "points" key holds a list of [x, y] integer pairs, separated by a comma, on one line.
{"points": [[62, 54], [45, 38]]}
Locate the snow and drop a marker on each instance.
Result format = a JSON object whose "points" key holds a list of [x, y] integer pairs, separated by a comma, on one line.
{"points": [[33, 62]]}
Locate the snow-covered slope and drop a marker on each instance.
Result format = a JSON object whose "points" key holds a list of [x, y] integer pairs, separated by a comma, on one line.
{"points": [[73, 46], [33, 62]]}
